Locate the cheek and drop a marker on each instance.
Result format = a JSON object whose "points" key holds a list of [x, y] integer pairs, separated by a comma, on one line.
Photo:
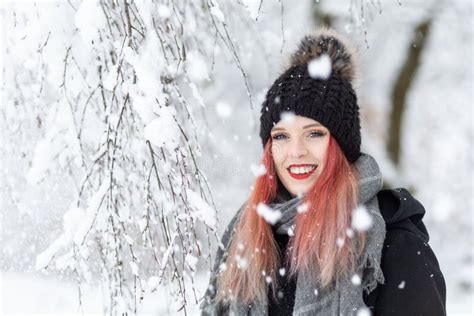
{"points": [[319, 150], [277, 154]]}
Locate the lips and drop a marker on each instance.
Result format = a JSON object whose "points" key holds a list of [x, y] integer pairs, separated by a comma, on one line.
{"points": [[301, 171]]}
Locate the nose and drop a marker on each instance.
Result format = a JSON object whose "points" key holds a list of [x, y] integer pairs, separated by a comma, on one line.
{"points": [[297, 149]]}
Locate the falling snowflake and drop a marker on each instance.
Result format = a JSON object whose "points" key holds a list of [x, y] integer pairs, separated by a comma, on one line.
{"points": [[302, 208], [350, 233], [241, 262], [356, 279], [288, 116], [361, 220], [268, 214], [340, 242], [223, 267], [363, 312], [291, 231], [258, 170], [320, 68], [223, 110]]}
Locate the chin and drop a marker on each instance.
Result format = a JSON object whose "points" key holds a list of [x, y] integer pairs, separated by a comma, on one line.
{"points": [[298, 191]]}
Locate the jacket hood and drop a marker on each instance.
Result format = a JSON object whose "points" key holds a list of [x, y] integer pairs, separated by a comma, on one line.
{"points": [[401, 210]]}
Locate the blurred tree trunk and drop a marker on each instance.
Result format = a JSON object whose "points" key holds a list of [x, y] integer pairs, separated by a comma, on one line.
{"points": [[402, 87], [321, 18]]}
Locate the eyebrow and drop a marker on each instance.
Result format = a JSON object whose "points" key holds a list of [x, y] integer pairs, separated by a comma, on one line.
{"points": [[304, 127]]}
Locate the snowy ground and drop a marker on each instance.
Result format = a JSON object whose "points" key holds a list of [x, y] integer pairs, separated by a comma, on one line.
{"points": [[31, 295], [22, 294]]}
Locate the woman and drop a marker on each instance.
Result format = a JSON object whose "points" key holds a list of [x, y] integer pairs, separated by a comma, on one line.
{"points": [[317, 235]]}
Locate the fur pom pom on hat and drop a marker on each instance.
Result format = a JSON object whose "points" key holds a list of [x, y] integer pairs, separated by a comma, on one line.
{"points": [[330, 100], [327, 42]]}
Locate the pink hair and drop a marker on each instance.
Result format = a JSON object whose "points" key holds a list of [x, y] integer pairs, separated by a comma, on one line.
{"points": [[320, 247]]}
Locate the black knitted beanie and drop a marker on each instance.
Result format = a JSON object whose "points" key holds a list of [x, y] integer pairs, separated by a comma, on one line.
{"points": [[331, 101]]}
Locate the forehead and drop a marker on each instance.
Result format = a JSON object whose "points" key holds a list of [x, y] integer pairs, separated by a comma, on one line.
{"points": [[296, 122]]}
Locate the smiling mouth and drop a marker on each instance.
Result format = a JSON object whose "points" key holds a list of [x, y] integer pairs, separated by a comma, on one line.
{"points": [[303, 171]]}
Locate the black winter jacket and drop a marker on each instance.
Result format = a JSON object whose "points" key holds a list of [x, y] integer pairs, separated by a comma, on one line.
{"points": [[414, 284]]}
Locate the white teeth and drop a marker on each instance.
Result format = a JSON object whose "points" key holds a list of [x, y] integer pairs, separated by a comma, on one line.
{"points": [[302, 170]]}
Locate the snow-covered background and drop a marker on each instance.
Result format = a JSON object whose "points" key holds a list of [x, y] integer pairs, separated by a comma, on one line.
{"points": [[111, 109]]}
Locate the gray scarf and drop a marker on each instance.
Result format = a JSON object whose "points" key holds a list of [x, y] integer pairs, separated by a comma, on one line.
{"points": [[339, 298]]}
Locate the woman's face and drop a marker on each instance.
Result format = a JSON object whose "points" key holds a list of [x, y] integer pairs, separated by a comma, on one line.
{"points": [[299, 147]]}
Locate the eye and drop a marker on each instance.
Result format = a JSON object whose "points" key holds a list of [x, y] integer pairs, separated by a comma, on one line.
{"points": [[279, 136], [315, 134]]}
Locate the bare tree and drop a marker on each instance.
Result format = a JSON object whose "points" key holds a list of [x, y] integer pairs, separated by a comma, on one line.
{"points": [[125, 127]]}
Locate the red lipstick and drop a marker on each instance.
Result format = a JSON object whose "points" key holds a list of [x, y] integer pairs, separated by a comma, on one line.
{"points": [[301, 176]]}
